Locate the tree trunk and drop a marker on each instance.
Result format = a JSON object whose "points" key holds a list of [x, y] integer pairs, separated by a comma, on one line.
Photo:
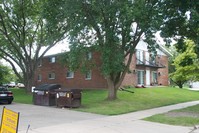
{"points": [[116, 80], [112, 90], [180, 86], [29, 86], [29, 82]]}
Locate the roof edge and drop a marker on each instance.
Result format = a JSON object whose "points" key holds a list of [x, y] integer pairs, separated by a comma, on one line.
{"points": [[165, 50]]}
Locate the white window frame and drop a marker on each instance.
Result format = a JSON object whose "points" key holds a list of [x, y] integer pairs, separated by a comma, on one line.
{"points": [[52, 75], [40, 63], [52, 59], [71, 74], [88, 75], [140, 56], [141, 79], [153, 77], [89, 55], [39, 77]]}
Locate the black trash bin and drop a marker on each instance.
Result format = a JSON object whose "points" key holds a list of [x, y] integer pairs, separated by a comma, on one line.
{"points": [[45, 94], [68, 98]]}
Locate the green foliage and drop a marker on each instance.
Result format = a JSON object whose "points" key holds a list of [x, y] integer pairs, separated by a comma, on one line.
{"points": [[78, 58], [111, 27], [23, 32], [174, 53], [114, 29], [181, 21], [186, 65], [5, 74]]}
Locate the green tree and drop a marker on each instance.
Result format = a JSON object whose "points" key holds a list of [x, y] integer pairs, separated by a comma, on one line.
{"points": [[23, 32], [186, 65], [171, 67], [181, 21], [5, 74], [111, 27]]}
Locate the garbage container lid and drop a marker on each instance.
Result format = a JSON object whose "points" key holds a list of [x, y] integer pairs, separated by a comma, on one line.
{"points": [[48, 87], [68, 90]]}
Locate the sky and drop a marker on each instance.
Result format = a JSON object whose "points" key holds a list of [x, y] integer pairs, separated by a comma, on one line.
{"points": [[58, 48], [64, 45]]}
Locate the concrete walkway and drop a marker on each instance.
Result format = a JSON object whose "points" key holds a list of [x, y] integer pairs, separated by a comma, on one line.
{"points": [[126, 123]]}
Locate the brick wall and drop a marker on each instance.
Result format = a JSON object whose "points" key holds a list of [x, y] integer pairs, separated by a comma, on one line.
{"points": [[131, 79], [163, 73], [97, 80], [79, 80]]}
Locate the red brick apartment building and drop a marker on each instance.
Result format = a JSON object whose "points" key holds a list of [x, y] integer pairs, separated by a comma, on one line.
{"points": [[143, 71]]}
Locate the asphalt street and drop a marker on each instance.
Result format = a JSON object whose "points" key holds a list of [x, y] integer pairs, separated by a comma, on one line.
{"points": [[44, 116], [56, 120]]}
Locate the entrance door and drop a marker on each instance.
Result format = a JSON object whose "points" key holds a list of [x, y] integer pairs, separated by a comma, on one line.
{"points": [[154, 78], [140, 77], [148, 77]]}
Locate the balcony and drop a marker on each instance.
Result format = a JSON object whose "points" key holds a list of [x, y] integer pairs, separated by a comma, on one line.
{"points": [[154, 64]]}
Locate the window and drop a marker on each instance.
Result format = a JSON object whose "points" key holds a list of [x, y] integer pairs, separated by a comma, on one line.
{"points": [[39, 77], [88, 75], [140, 77], [69, 74], [40, 63], [154, 77], [88, 55], [153, 58], [140, 56], [52, 59], [51, 76]]}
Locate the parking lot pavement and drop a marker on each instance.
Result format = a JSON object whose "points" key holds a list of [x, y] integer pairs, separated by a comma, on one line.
{"points": [[55, 120], [42, 116]]}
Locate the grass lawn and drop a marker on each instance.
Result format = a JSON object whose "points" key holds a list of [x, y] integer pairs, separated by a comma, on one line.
{"points": [[144, 98], [20, 96], [94, 101], [185, 117]]}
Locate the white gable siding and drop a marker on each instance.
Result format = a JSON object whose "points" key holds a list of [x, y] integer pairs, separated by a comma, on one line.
{"points": [[142, 46], [159, 52]]}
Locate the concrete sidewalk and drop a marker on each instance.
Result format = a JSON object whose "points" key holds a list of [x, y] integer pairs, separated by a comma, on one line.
{"points": [[126, 123]]}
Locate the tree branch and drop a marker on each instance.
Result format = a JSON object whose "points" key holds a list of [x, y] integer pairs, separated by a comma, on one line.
{"points": [[13, 67], [5, 32], [94, 23]]}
